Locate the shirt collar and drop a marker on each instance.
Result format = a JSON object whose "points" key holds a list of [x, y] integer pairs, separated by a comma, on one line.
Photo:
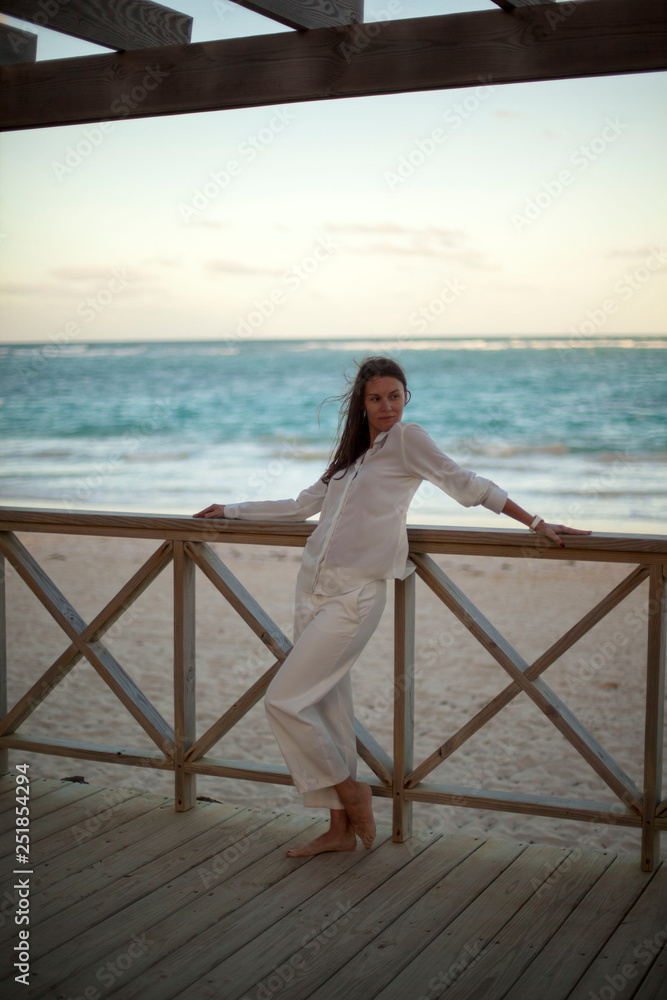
{"points": [[380, 439]]}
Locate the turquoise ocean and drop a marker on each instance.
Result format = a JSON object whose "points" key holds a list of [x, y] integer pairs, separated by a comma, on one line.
{"points": [[574, 431]]}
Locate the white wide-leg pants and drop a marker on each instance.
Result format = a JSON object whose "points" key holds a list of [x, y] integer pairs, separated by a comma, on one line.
{"points": [[309, 701]]}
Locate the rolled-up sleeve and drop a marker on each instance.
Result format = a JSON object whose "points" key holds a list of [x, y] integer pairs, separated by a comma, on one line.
{"points": [[308, 502], [423, 458]]}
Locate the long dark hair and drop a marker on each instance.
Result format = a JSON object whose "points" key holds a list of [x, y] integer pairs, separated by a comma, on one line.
{"points": [[353, 433]]}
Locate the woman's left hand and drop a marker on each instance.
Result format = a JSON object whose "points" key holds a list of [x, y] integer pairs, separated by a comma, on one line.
{"points": [[554, 531], [213, 510]]}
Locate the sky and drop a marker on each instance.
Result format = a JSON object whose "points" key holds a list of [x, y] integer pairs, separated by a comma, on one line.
{"points": [[530, 210]]}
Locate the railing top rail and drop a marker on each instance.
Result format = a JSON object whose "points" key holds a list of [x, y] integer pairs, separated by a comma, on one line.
{"points": [[600, 546]]}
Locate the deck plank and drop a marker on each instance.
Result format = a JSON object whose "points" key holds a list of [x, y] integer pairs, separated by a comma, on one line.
{"points": [[654, 986], [465, 938], [162, 884], [58, 882], [128, 828], [106, 818], [190, 941], [45, 806], [173, 901], [206, 904], [513, 948], [68, 821], [123, 862], [626, 958], [564, 960], [348, 911], [38, 786], [369, 970]]}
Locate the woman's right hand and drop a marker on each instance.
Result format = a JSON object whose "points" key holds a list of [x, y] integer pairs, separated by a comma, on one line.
{"points": [[215, 510]]}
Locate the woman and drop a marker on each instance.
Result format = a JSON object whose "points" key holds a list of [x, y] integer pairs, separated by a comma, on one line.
{"points": [[359, 543]]}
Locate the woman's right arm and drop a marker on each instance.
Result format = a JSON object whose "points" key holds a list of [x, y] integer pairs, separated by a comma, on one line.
{"points": [[308, 502]]}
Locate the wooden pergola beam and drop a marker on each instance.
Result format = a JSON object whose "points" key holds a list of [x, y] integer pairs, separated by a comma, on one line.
{"points": [[513, 4], [312, 14], [16, 46], [116, 24], [593, 38]]}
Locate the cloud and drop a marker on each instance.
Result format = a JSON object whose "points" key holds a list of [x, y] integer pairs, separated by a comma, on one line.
{"points": [[80, 275], [393, 229], [640, 253], [19, 288], [389, 238], [72, 282], [217, 266]]}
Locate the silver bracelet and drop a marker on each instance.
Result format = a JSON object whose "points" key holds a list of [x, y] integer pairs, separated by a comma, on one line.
{"points": [[536, 521]]}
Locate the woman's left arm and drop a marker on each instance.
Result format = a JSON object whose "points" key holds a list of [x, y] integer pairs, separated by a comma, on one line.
{"points": [[539, 525]]}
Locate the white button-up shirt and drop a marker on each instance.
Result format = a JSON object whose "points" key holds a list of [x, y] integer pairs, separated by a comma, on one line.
{"points": [[361, 534]]}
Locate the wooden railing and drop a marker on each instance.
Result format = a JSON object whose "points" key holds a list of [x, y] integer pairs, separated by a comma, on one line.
{"points": [[185, 542]]}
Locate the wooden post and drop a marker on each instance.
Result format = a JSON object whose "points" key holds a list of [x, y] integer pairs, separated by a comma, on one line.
{"points": [[185, 785], [4, 753], [404, 690], [655, 708]]}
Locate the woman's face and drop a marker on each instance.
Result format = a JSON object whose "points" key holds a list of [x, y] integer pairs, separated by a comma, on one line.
{"points": [[384, 400]]}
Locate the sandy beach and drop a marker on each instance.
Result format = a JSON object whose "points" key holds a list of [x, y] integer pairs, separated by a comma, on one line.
{"points": [[602, 679]]}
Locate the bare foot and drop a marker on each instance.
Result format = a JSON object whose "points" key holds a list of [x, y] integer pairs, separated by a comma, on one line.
{"points": [[332, 840], [357, 798]]}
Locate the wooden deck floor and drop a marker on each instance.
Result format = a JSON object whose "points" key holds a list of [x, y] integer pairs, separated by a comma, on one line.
{"points": [[129, 899]]}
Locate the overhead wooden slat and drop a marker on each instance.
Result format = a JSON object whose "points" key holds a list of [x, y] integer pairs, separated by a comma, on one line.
{"points": [[308, 13], [16, 46], [117, 24], [513, 4], [487, 48]]}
